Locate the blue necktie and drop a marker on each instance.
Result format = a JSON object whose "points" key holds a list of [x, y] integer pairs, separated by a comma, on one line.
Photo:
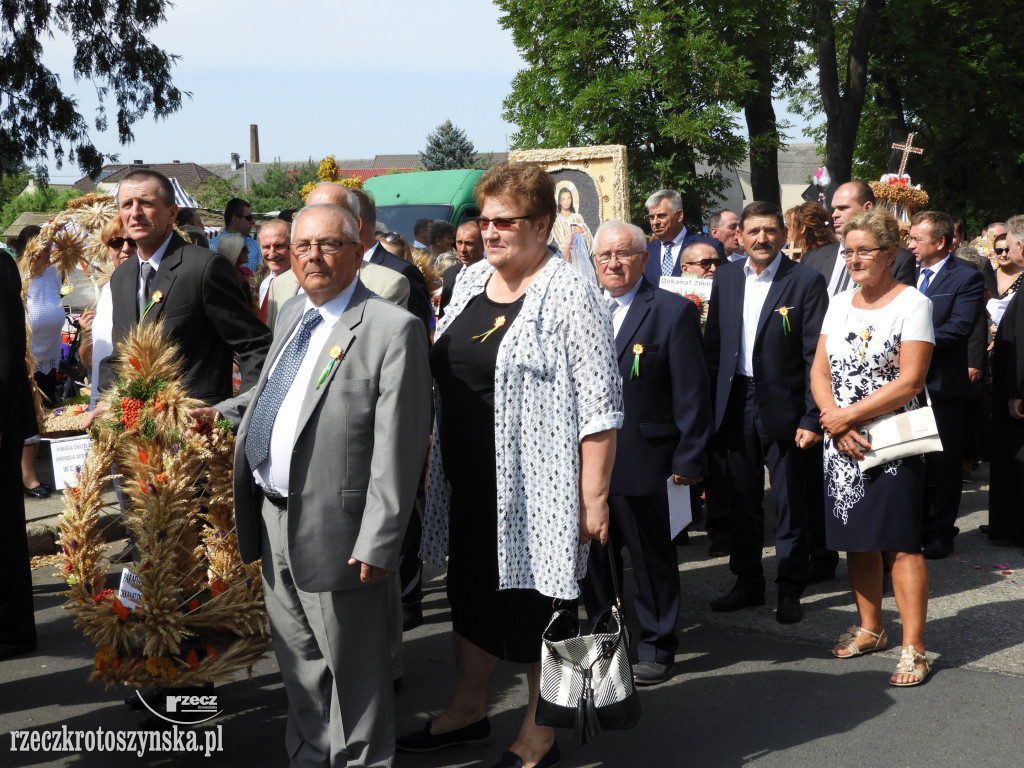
{"points": [[926, 280], [667, 262], [257, 442]]}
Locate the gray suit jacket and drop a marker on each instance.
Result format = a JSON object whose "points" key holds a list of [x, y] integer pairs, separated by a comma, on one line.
{"points": [[824, 260], [359, 446], [385, 282]]}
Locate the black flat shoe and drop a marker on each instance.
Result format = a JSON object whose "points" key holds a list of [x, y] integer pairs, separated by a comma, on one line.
{"points": [[789, 610], [41, 491], [737, 599], [552, 759], [651, 672], [472, 735], [10, 650]]}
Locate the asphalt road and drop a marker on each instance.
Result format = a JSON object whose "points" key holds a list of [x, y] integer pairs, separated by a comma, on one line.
{"points": [[747, 691]]}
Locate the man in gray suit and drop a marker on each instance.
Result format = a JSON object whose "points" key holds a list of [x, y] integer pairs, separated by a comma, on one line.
{"points": [[328, 456]]}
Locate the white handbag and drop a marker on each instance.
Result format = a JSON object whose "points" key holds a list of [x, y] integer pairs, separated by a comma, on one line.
{"points": [[899, 435]]}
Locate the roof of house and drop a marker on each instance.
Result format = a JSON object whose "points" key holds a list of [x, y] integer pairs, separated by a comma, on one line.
{"points": [[24, 220], [189, 175]]}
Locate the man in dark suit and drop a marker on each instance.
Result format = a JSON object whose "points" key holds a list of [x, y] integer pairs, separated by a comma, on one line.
{"points": [[469, 244], [665, 213], [956, 292], [194, 291], [849, 199], [327, 461], [761, 335], [666, 429], [17, 421], [419, 293]]}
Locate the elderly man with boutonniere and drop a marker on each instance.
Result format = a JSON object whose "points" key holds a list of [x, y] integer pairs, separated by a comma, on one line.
{"points": [[761, 336], [664, 435], [331, 441]]}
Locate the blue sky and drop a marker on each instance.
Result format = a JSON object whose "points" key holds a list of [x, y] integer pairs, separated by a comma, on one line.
{"points": [[318, 77]]}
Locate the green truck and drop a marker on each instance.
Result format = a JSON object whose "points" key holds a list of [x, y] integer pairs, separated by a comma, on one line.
{"points": [[404, 198]]}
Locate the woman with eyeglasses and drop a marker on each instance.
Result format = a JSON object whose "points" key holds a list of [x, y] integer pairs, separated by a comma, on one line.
{"points": [[98, 326], [528, 398], [875, 347]]}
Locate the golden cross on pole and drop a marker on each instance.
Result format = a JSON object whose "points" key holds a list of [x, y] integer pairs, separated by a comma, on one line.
{"points": [[907, 149]]}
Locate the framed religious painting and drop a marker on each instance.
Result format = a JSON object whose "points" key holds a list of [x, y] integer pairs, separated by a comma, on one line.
{"points": [[590, 187]]}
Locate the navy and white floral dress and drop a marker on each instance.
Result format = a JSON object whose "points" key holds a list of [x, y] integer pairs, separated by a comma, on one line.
{"points": [[878, 510]]}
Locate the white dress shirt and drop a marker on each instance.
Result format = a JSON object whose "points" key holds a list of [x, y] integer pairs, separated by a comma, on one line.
{"points": [[755, 291], [265, 287], [272, 474], [621, 309]]}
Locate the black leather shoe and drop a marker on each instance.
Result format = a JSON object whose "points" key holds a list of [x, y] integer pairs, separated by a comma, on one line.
{"points": [[41, 491], [737, 599], [412, 616], [552, 759], [789, 610], [10, 650], [937, 549], [651, 672], [471, 735], [719, 550]]}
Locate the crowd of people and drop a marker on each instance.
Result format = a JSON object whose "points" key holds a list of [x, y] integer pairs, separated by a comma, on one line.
{"points": [[568, 394]]}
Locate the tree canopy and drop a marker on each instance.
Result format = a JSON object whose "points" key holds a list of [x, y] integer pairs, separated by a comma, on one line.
{"points": [[112, 49], [448, 148]]}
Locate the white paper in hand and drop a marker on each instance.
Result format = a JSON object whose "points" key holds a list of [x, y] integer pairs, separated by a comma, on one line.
{"points": [[680, 514]]}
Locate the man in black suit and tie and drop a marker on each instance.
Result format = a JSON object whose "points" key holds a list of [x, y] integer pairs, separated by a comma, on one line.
{"points": [[956, 293], [666, 429], [761, 335], [849, 199], [665, 213], [17, 421], [469, 244], [193, 290], [419, 293]]}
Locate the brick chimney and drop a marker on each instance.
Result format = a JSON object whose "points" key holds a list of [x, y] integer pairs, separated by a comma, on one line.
{"points": [[254, 143]]}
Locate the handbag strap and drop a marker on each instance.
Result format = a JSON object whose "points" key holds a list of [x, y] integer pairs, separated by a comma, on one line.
{"points": [[615, 575]]}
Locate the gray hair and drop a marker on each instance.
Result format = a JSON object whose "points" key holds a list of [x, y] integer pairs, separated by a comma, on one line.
{"points": [[637, 238], [675, 202], [1015, 226], [232, 246], [349, 225], [715, 220]]}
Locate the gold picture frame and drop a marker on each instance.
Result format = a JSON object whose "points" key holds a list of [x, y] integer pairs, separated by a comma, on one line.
{"points": [[597, 176]]}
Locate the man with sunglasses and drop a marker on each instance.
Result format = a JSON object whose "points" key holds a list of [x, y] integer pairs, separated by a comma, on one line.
{"points": [[700, 259], [238, 221]]}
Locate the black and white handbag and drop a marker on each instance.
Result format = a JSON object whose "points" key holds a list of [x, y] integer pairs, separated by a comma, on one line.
{"points": [[586, 681]]}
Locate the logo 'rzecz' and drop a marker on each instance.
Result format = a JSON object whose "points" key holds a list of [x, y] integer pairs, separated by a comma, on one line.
{"points": [[186, 709]]}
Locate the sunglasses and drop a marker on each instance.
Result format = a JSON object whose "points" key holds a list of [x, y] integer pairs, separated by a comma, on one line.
{"points": [[1001, 251], [705, 263], [247, 217], [500, 224], [117, 243], [391, 237]]}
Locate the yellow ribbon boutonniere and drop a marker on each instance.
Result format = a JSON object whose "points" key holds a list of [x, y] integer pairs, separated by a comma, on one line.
{"points": [[634, 372], [786, 327], [158, 296], [335, 355], [498, 322], [865, 337]]}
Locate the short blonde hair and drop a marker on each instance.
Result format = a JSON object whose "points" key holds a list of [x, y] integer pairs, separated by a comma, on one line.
{"points": [[879, 223]]}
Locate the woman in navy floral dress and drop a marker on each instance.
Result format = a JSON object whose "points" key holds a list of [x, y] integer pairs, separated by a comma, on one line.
{"points": [[876, 344]]}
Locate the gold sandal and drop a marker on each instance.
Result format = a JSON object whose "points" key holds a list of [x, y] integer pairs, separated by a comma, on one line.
{"points": [[909, 660], [847, 641]]}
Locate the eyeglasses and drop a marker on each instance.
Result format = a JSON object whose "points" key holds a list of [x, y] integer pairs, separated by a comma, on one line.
{"points": [[390, 237], [619, 256], [1000, 251], [864, 254], [327, 247], [247, 217], [705, 263], [117, 243], [503, 224]]}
